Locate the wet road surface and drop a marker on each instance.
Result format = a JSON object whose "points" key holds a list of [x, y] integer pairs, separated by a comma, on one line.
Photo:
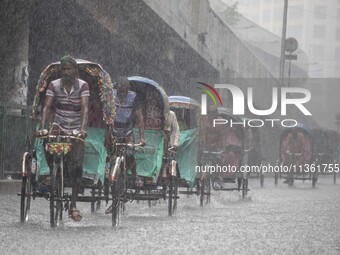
{"points": [[272, 220]]}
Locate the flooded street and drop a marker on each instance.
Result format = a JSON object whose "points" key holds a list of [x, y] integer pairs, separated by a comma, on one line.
{"points": [[272, 220]]}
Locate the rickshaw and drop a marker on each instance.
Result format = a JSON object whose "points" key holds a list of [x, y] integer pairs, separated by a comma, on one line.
{"points": [[333, 138], [230, 157], [296, 159], [252, 151], [325, 147], [321, 146], [35, 170], [188, 115], [153, 161]]}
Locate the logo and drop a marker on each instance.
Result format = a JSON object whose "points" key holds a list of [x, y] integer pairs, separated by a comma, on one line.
{"points": [[208, 92], [288, 96], [239, 102]]}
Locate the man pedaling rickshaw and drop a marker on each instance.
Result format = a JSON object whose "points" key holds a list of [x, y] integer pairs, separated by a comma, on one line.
{"points": [[232, 154], [174, 140], [295, 147], [128, 111], [212, 141], [69, 96]]}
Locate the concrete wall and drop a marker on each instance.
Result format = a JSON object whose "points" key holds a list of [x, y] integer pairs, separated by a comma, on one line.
{"points": [[14, 34], [126, 38], [195, 22]]}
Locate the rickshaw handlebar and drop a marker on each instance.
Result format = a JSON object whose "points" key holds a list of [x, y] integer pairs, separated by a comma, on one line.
{"points": [[213, 152], [131, 145], [294, 153], [71, 136]]}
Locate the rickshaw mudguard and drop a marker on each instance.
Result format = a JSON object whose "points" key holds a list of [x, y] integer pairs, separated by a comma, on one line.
{"points": [[94, 156], [186, 155], [149, 158]]}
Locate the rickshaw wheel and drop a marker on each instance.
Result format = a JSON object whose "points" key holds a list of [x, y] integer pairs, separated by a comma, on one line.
{"points": [[115, 204], [96, 202], [244, 187], [173, 190], [209, 190], [334, 174], [106, 191], [205, 190], [290, 178], [118, 190], [261, 178], [26, 191], [56, 204], [334, 178], [149, 201], [276, 178], [314, 180], [93, 191]]}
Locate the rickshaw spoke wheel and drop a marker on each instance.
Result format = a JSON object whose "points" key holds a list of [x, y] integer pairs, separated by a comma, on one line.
{"points": [[149, 200], [314, 180], [244, 188], [93, 202], [175, 194], [202, 193], [276, 178], [208, 190], [96, 193], [205, 190], [290, 179], [334, 178], [26, 193], [115, 203], [56, 205], [173, 189], [118, 193], [98, 204], [262, 179], [170, 196]]}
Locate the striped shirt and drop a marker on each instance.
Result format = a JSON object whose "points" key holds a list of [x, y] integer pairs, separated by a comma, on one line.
{"points": [[68, 106]]}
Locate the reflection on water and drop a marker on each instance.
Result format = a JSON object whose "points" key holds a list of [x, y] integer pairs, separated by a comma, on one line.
{"points": [[271, 220]]}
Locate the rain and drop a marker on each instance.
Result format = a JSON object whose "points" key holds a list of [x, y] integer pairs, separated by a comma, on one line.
{"points": [[182, 56]]}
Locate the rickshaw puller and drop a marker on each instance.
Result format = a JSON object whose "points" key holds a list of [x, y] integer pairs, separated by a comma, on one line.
{"points": [[212, 139], [174, 140], [69, 96], [127, 110]]}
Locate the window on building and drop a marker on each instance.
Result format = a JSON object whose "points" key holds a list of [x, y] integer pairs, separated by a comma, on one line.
{"points": [[319, 31], [318, 51], [295, 12], [337, 34], [337, 54], [266, 16], [294, 31], [320, 12]]}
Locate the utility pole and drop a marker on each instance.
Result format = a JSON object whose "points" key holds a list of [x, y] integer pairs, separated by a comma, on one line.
{"points": [[283, 39]]}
